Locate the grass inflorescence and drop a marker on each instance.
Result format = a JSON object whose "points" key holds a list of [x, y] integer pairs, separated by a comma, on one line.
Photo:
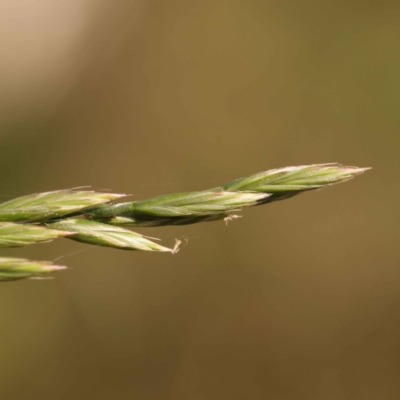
{"points": [[94, 217]]}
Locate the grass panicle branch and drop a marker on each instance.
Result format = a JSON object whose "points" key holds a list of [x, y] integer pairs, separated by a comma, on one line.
{"points": [[99, 234], [193, 207], [92, 217], [12, 269], [41, 207], [17, 235]]}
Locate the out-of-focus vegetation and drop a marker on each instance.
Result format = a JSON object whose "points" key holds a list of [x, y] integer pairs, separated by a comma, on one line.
{"points": [[300, 299]]}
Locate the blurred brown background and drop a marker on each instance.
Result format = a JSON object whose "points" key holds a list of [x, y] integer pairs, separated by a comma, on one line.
{"points": [[299, 299]]}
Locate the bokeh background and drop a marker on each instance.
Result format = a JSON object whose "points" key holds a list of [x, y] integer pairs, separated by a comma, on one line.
{"points": [[297, 300]]}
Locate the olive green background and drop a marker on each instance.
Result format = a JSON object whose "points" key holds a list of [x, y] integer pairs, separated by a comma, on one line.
{"points": [[298, 299]]}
